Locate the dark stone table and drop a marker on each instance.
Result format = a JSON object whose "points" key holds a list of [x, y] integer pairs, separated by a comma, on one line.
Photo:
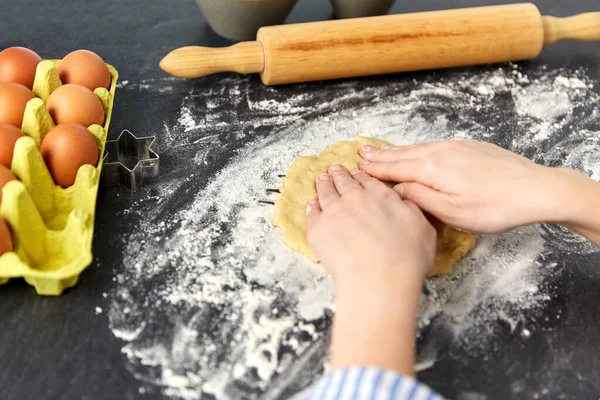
{"points": [[53, 348]]}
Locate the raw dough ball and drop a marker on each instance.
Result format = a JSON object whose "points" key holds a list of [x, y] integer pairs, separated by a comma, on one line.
{"points": [[298, 186]]}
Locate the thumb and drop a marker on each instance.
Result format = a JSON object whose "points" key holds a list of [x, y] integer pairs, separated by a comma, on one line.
{"points": [[313, 211], [397, 171], [428, 199]]}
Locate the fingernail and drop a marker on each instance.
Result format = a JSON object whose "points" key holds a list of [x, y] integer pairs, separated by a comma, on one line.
{"points": [[311, 203], [386, 147], [354, 171], [336, 167], [400, 189], [367, 148], [323, 177], [365, 162]]}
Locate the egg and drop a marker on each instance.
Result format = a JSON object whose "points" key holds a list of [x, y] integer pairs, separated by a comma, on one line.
{"points": [[18, 65], [6, 241], [5, 177], [85, 68], [8, 138], [13, 99], [66, 148], [73, 103]]}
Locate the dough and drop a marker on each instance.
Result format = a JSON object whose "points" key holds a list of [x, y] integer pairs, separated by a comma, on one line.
{"points": [[298, 186]]}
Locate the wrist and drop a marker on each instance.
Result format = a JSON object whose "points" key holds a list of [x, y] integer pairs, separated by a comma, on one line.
{"points": [[558, 192], [570, 193], [374, 323], [578, 204], [397, 293]]}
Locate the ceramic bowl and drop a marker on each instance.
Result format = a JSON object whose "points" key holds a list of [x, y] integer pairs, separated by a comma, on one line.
{"points": [[361, 8], [241, 19]]}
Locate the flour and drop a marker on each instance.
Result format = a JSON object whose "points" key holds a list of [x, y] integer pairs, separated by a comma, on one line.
{"points": [[162, 85], [210, 301]]}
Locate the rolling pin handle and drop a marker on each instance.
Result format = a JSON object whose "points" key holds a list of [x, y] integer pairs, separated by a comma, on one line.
{"points": [[196, 61], [584, 27]]}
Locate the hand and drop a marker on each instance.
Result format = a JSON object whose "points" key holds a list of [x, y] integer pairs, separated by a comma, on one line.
{"points": [[364, 233], [471, 185], [378, 249]]}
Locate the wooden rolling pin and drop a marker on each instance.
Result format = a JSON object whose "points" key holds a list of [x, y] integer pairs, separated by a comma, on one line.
{"points": [[387, 44]]}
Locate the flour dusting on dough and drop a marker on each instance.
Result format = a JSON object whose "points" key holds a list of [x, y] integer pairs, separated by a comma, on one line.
{"points": [[208, 300]]}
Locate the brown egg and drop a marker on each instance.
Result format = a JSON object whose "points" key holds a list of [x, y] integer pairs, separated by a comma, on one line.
{"points": [[5, 177], [73, 103], [18, 65], [66, 148], [85, 68], [8, 138], [6, 241], [13, 99]]}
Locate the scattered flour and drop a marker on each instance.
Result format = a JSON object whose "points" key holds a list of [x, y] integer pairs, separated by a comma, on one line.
{"points": [[210, 301], [162, 85]]}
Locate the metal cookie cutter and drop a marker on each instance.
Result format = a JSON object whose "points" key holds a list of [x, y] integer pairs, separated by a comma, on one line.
{"points": [[129, 160]]}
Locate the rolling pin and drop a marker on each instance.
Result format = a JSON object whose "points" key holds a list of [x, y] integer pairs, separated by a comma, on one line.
{"points": [[386, 44]]}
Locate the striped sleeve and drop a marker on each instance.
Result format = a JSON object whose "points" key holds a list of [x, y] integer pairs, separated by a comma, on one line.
{"points": [[367, 384]]}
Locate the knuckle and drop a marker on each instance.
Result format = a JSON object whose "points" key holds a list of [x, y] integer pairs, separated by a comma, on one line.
{"points": [[356, 196], [323, 184], [360, 174], [373, 167], [339, 173], [342, 179], [334, 208]]}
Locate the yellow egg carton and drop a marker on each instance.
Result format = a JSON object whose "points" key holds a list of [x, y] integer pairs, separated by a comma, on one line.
{"points": [[52, 227]]}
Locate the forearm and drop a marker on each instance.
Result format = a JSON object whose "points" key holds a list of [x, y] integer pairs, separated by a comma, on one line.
{"points": [[376, 327]]}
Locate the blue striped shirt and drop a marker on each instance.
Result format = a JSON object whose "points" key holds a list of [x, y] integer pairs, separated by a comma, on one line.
{"points": [[367, 384]]}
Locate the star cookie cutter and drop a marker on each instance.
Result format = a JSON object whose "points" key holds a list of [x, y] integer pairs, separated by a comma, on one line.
{"points": [[129, 160]]}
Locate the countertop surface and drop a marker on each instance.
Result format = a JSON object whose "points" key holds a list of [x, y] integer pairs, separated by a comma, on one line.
{"points": [[85, 345]]}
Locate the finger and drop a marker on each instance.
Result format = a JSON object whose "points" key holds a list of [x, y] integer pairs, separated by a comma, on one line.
{"points": [[413, 207], [392, 153], [313, 212], [426, 198], [364, 179], [397, 171], [326, 191], [343, 181]]}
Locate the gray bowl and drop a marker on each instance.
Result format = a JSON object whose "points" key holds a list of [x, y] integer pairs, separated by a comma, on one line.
{"points": [[241, 19], [361, 8]]}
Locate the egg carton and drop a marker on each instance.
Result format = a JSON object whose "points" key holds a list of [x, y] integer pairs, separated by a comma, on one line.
{"points": [[52, 227]]}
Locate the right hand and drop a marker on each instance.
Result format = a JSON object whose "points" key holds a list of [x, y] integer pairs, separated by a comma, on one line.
{"points": [[471, 185]]}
